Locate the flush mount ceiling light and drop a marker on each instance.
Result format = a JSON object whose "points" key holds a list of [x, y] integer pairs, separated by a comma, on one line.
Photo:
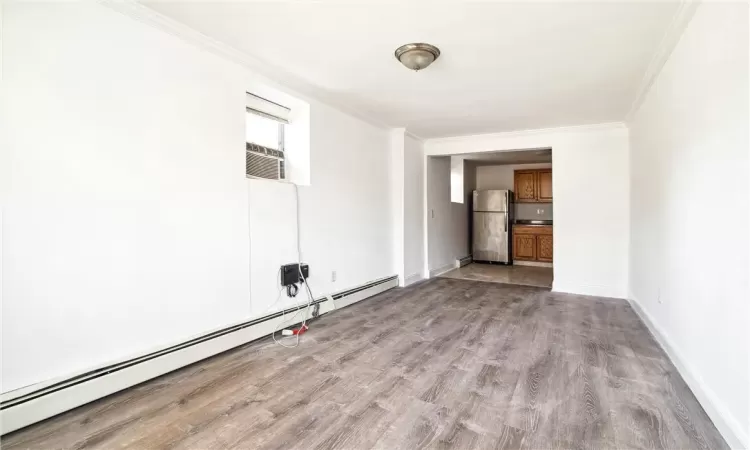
{"points": [[417, 56]]}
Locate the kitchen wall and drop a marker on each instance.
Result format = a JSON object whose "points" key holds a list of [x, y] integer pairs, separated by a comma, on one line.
{"points": [[128, 223], [447, 221], [591, 214], [502, 177], [534, 211], [689, 269]]}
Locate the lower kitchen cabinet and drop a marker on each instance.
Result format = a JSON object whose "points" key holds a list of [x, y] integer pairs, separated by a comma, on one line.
{"points": [[524, 246], [532, 243], [544, 248]]}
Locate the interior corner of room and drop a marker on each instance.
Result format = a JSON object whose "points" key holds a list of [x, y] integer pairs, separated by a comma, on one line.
{"points": [[468, 225]]}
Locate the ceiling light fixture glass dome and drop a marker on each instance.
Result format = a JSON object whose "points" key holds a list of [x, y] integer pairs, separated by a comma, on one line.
{"points": [[417, 56]]}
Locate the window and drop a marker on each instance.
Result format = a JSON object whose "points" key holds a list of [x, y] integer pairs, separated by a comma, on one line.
{"points": [[263, 131], [264, 137]]}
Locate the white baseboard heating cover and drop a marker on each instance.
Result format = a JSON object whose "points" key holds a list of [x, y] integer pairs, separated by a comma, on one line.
{"points": [[38, 402]]}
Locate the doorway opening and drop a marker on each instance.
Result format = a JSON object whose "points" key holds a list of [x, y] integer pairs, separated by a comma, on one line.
{"points": [[490, 217]]}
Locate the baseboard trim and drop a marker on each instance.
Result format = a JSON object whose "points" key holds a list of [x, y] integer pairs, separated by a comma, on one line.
{"points": [[532, 263], [441, 270], [590, 290], [46, 399], [728, 426], [413, 278]]}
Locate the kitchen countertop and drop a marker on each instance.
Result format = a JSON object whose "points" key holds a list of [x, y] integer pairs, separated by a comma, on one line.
{"points": [[532, 222]]}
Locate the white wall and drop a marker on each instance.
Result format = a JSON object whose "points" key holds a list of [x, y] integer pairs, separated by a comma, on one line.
{"points": [[590, 166], [397, 169], [689, 211], [413, 208], [122, 230], [406, 175], [128, 223], [502, 176], [344, 213]]}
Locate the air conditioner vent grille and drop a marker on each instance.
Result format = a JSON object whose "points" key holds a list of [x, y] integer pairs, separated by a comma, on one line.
{"points": [[263, 162]]}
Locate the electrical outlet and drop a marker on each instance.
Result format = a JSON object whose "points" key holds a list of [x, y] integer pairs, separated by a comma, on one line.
{"points": [[333, 276]]}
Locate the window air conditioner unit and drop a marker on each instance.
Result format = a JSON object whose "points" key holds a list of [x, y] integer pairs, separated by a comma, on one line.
{"points": [[264, 162]]}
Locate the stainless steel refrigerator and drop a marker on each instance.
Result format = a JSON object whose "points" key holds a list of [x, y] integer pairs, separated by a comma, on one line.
{"points": [[491, 226]]}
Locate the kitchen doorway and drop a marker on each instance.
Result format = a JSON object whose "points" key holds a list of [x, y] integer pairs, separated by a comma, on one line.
{"points": [[503, 231]]}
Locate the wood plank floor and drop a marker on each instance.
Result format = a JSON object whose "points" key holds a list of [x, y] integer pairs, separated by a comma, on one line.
{"points": [[515, 274], [441, 364]]}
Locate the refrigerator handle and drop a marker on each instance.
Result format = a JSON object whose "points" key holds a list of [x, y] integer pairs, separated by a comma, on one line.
{"points": [[506, 222]]}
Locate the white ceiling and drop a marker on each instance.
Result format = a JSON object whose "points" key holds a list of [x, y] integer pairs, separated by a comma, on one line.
{"points": [[504, 66]]}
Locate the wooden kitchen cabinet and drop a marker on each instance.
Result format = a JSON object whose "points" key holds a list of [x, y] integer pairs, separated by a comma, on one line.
{"points": [[544, 248], [532, 243], [544, 185], [533, 186], [524, 247], [525, 184]]}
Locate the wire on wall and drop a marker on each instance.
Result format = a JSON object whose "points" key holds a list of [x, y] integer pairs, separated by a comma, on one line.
{"points": [[306, 310]]}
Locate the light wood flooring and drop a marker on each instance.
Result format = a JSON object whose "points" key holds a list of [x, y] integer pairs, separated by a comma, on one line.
{"points": [[441, 364], [496, 273]]}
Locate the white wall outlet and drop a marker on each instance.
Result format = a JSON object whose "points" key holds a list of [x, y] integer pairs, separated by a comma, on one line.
{"points": [[333, 276]]}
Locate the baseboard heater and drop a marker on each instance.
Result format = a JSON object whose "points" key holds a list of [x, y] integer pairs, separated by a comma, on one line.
{"points": [[50, 399], [466, 260]]}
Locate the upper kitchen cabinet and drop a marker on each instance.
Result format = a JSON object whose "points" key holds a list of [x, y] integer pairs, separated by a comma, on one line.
{"points": [[544, 185], [533, 186], [525, 186]]}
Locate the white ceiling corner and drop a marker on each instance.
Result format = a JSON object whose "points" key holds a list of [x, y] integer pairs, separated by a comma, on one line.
{"points": [[504, 66], [671, 37]]}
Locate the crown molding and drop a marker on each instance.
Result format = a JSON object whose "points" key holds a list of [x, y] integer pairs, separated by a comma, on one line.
{"points": [[669, 41], [269, 74], [405, 132], [412, 135]]}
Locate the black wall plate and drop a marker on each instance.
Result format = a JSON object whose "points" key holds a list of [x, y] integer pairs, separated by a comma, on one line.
{"points": [[290, 273]]}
